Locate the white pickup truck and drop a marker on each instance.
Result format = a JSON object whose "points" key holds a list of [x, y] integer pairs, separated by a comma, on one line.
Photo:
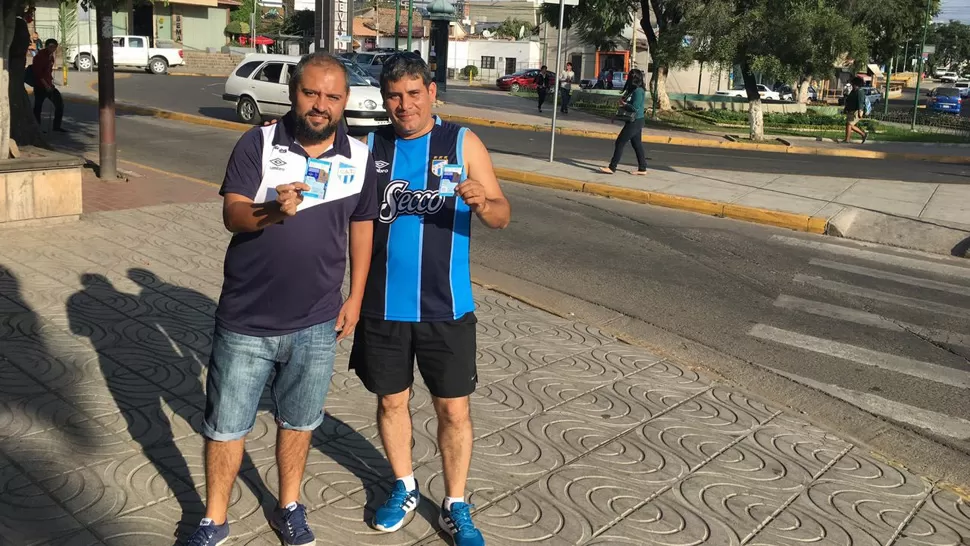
{"points": [[740, 91], [129, 51]]}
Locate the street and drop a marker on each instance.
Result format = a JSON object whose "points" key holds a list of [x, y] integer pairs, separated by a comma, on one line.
{"points": [[886, 328], [203, 96]]}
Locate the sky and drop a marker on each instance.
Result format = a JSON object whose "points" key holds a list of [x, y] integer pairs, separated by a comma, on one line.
{"points": [[955, 9]]}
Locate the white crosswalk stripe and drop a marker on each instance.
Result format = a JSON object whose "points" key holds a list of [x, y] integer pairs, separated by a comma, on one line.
{"points": [[926, 295]]}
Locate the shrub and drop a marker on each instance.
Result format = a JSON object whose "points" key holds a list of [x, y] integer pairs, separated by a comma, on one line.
{"points": [[470, 71]]}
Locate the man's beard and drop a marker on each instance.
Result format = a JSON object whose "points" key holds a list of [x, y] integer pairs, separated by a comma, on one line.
{"points": [[306, 134]]}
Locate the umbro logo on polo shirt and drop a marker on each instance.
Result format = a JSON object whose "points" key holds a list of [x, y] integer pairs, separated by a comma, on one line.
{"points": [[381, 166], [277, 161]]}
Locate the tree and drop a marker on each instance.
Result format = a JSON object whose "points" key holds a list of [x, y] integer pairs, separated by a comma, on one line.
{"points": [[889, 23], [952, 41], [787, 41], [513, 28], [601, 22], [67, 24], [299, 23]]}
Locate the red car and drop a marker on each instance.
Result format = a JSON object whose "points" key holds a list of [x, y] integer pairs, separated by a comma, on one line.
{"points": [[525, 79]]}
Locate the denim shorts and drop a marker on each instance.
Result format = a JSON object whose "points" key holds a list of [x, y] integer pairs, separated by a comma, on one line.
{"points": [[240, 365]]}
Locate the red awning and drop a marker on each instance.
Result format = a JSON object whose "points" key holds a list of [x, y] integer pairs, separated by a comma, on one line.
{"points": [[263, 40]]}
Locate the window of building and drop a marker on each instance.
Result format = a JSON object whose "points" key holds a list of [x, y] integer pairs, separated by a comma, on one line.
{"points": [[488, 62]]}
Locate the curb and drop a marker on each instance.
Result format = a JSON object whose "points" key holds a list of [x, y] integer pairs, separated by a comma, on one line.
{"points": [[797, 222], [788, 220], [712, 143]]}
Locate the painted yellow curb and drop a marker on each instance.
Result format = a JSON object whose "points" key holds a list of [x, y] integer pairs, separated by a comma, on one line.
{"points": [[724, 145], [797, 222]]}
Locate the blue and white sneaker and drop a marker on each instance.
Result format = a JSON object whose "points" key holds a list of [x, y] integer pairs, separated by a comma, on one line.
{"points": [[457, 522], [209, 534], [390, 516], [291, 524]]}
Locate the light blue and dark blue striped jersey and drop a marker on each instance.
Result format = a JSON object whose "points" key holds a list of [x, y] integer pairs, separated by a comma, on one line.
{"points": [[420, 271]]}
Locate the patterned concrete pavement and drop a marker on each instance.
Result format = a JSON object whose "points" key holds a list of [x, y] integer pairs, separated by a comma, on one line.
{"points": [[580, 439]]}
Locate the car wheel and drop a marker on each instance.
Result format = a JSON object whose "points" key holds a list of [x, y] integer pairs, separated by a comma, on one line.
{"points": [[158, 65], [247, 111], [84, 62], [514, 88]]}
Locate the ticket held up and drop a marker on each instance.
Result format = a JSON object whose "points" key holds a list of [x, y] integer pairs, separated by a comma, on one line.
{"points": [[317, 176], [449, 180]]}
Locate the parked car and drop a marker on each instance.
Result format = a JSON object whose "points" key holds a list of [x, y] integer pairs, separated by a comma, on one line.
{"points": [[963, 86], [949, 77], [945, 99], [617, 82], [523, 79], [128, 51], [259, 86], [739, 91], [371, 61], [356, 69]]}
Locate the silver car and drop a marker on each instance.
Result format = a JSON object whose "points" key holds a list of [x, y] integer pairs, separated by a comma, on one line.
{"points": [[259, 87]]}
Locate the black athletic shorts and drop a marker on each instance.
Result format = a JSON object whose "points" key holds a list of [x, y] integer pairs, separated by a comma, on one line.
{"points": [[384, 353]]}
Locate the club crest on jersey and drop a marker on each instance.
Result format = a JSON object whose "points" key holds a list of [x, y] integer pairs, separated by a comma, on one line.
{"points": [[344, 173], [437, 163], [399, 200]]}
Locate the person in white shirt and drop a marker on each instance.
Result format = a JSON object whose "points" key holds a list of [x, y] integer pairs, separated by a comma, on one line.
{"points": [[566, 87]]}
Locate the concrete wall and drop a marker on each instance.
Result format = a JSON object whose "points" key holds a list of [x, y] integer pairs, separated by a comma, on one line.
{"points": [[202, 27]]}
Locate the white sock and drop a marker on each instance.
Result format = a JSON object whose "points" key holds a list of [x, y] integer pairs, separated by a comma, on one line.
{"points": [[409, 482], [451, 500], [290, 507]]}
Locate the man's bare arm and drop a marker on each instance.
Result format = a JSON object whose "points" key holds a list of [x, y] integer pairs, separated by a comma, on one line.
{"points": [[494, 210], [241, 215]]}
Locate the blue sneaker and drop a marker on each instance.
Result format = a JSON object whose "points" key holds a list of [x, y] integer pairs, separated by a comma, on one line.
{"points": [[209, 534], [390, 516], [457, 522], [290, 523]]}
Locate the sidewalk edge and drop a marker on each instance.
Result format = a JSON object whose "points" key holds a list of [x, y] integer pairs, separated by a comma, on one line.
{"points": [[793, 221], [723, 145]]}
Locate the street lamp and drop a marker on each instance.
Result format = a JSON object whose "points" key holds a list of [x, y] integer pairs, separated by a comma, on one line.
{"points": [[919, 74], [410, 22]]}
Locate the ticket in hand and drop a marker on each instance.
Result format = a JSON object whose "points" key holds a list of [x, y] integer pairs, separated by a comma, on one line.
{"points": [[449, 180], [317, 175]]}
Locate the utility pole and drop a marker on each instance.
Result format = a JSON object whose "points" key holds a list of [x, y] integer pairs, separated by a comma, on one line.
{"points": [[107, 149], [919, 75], [889, 81], [410, 22], [397, 23]]}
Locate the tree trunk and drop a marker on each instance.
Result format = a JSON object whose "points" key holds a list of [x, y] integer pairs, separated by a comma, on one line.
{"points": [[803, 91], [662, 97], [756, 116]]}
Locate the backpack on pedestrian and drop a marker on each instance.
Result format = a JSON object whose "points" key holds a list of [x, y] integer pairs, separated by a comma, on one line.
{"points": [[867, 105]]}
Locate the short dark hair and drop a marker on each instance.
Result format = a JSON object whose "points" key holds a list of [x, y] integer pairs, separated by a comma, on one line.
{"points": [[543, 67], [858, 81], [317, 58], [50, 41], [401, 65]]}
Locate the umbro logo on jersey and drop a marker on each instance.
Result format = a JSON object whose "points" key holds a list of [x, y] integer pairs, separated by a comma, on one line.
{"points": [[381, 166], [277, 162]]}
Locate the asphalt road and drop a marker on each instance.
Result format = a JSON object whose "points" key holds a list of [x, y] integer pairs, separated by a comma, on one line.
{"points": [[797, 304], [203, 96]]}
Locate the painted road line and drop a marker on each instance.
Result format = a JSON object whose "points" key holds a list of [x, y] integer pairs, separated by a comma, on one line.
{"points": [[928, 266], [868, 357], [869, 319], [932, 307], [937, 423], [957, 289]]}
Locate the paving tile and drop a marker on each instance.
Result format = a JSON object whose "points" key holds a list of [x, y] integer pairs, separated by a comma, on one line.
{"points": [[943, 520], [665, 521], [33, 516], [823, 188], [772, 200], [713, 190]]}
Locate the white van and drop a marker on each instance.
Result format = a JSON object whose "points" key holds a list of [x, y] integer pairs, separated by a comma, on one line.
{"points": [[259, 87]]}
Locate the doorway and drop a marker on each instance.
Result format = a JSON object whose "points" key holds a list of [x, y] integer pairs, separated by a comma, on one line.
{"points": [[577, 61], [143, 21], [510, 65]]}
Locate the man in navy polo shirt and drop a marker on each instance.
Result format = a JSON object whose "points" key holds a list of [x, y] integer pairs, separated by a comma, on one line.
{"points": [[281, 308]]}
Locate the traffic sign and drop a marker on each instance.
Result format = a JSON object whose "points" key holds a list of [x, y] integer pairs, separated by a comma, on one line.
{"points": [[565, 2], [929, 48]]}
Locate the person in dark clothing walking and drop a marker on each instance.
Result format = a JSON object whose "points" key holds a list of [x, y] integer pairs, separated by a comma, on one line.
{"points": [[44, 89], [542, 85], [634, 95], [855, 109]]}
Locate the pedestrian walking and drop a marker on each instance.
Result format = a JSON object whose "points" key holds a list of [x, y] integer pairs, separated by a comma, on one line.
{"points": [[43, 81], [632, 112], [566, 87], [281, 307], [418, 302], [855, 108], [542, 85]]}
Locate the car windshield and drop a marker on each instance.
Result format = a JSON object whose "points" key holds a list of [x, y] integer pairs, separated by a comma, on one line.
{"points": [[948, 92], [363, 58], [356, 79], [963, 84]]}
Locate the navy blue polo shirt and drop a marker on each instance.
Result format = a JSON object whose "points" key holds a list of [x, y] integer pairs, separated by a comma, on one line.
{"points": [[287, 276]]}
